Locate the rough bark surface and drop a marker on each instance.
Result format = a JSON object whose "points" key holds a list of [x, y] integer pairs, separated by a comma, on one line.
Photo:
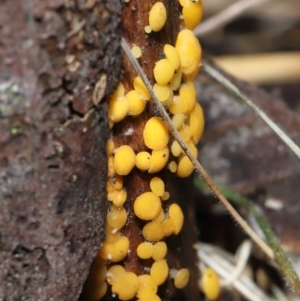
{"points": [[56, 59]]}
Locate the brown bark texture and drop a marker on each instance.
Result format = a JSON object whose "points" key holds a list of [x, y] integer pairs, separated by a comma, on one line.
{"points": [[57, 58]]}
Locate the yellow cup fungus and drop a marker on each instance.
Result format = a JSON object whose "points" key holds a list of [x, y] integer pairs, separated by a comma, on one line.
{"points": [[159, 159], [140, 87], [143, 160], [145, 250], [156, 134], [117, 108], [118, 197], [160, 250], [112, 235], [157, 186], [172, 166], [188, 93], [147, 206], [168, 227], [110, 147], [124, 284], [160, 217], [116, 251], [95, 286], [192, 14], [185, 167], [189, 51], [162, 92], [176, 80], [176, 216], [210, 284], [136, 51], [116, 217], [185, 133], [163, 71], [181, 277], [147, 287], [136, 103], [153, 232], [157, 16], [159, 271], [176, 149], [124, 160], [178, 120], [172, 55], [196, 122], [165, 196], [178, 106]]}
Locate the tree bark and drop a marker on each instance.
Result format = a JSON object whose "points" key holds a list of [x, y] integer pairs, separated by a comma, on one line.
{"points": [[56, 59]]}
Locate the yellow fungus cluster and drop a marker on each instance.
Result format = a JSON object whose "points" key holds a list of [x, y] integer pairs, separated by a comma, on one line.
{"points": [[173, 74]]}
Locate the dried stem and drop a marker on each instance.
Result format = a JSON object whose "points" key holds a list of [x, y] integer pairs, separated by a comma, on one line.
{"points": [[225, 16], [225, 82], [193, 159]]}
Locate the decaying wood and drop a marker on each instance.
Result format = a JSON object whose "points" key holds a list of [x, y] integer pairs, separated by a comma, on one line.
{"points": [[52, 146], [180, 248]]}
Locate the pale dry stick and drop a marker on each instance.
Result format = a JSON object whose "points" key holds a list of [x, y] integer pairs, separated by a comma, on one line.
{"points": [[225, 82], [225, 16], [193, 159]]}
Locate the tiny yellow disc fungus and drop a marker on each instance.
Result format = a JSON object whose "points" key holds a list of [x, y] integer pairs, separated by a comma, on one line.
{"points": [[119, 197], [124, 160], [165, 196], [172, 55], [110, 147], [147, 287], [176, 149], [188, 93], [157, 16], [140, 87], [153, 232], [192, 147], [159, 271], [168, 227], [147, 29], [185, 133], [210, 284], [178, 106], [150, 298], [112, 235], [160, 217], [160, 250], [172, 166], [116, 217], [162, 92], [178, 120], [120, 249], [111, 170], [117, 108], [147, 206], [119, 92], [185, 167], [145, 250], [126, 286], [176, 80], [156, 134], [136, 103], [114, 273], [176, 216], [159, 159], [192, 14], [157, 186], [189, 51], [163, 71], [143, 160], [181, 278], [196, 122], [136, 51]]}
